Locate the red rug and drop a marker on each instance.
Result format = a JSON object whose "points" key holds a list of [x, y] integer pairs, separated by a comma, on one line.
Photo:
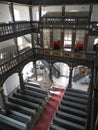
{"points": [[49, 110]]}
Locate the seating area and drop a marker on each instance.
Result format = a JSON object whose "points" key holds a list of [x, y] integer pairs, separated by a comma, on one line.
{"points": [[48, 65], [72, 111], [24, 109]]}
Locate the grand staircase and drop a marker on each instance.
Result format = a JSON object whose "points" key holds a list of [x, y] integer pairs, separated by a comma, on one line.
{"points": [[72, 112], [24, 108]]}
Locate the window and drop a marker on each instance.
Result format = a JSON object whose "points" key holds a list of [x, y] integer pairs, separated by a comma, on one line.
{"points": [[46, 38], [67, 40]]}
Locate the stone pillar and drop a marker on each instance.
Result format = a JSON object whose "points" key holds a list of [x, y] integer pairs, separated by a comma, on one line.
{"points": [[62, 30], [63, 10], [41, 38], [50, 74], [85, 40], [35, 71], [40, 12], [51, 37], [73, 39], [31, 19], [3, 108], [22, 88], [70, 77], [62, 39]]}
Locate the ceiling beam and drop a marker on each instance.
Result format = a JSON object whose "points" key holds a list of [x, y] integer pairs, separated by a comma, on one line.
{"points": [[52, 2]]}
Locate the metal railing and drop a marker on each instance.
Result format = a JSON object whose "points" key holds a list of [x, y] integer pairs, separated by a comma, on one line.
{"points": [[68, 22]]}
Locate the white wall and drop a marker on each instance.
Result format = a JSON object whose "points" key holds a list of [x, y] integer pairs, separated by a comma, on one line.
{"points": [[77, 8], [11, 83], [46, 38], [94, 16], [27, 70], [7, 43], [23, 43], [4, 13], [35, 13], [56, 34], [51, 9], [21, 13], [64, 69]]}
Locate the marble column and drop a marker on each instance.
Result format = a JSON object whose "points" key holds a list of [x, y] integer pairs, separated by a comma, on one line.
{"points": [[70, 77]]}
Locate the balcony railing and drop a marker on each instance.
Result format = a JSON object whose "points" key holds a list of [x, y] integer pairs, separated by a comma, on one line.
{"points": [[65, 54], [11, 30], [68, 22], [5, 67]]}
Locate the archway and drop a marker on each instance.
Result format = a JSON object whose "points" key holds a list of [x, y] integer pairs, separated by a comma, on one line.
{"points": [[60, 74], [9, 86], [81, 77], [43, 74], [37, 73], [28, 72]]}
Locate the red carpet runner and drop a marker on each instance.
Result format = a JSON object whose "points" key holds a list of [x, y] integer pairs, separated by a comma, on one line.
{"points": [[49, 110]]}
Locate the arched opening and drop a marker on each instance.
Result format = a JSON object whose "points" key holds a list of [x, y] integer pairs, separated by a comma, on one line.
{"points": [[60, 74], [37, 73], [81, 77], [28, 72], [43, 74], [42, 65], [9, 86]]}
